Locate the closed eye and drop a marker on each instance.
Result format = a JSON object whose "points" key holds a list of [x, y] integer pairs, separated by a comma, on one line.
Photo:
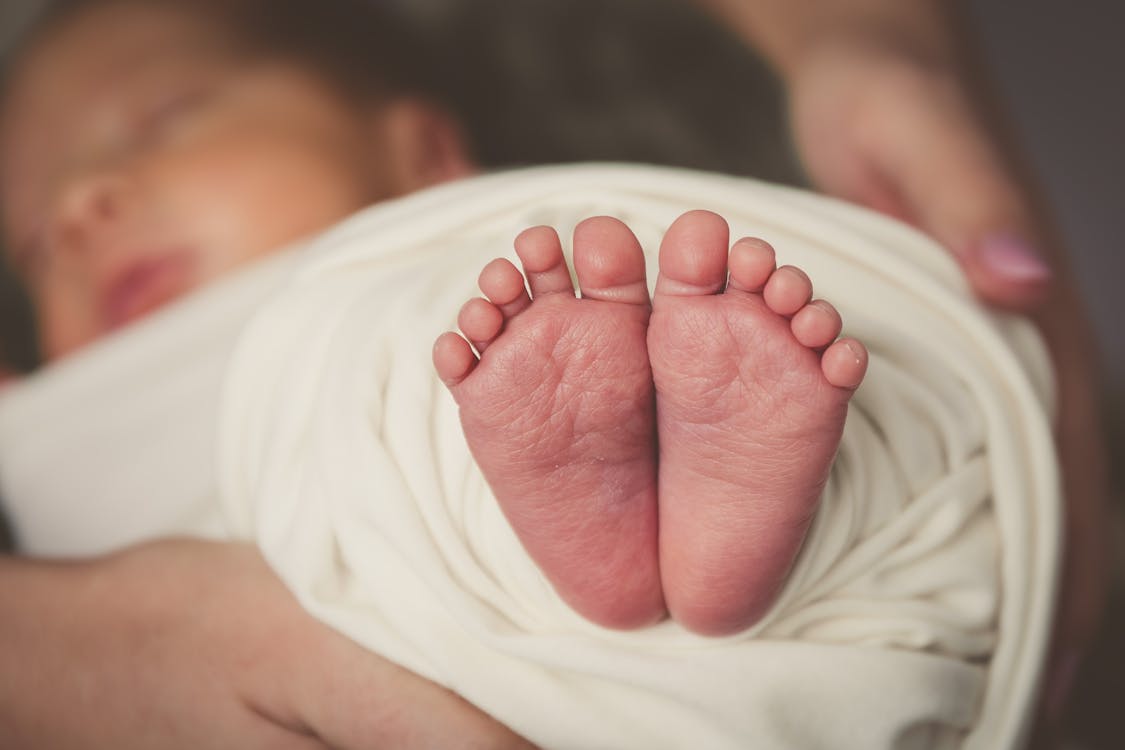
{"points": [[168, 111]]}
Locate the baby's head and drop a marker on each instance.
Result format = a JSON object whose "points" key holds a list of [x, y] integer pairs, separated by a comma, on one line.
{"points": [[150, 146]]}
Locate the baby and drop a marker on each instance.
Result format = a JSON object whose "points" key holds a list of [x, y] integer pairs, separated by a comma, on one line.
{"points": [[148, 148]]}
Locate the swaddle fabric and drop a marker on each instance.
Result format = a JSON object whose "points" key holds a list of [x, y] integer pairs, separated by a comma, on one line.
{"points": [[918, 610], [917, 614], [115, 444]]}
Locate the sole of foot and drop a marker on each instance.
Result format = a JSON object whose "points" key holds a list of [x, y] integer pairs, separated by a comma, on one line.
{"points": [[752, 389], [558, 412]]}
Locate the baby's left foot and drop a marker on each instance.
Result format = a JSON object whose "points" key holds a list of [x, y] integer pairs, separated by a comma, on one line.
{"points": [[558, 413], [751, 398]]}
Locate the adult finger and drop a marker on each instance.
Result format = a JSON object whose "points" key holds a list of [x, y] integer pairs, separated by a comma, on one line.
{"points": [[956, 184]]}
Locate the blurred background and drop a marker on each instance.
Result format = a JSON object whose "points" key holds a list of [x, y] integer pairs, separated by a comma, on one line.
{"points": [[651, 80]]}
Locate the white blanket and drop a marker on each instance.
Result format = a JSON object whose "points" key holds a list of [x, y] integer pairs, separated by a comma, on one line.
{"points": [[917, 614]]}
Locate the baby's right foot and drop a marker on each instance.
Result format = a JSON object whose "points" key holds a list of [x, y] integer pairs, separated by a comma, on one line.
{"points": [[559, 414], [751, 399]]}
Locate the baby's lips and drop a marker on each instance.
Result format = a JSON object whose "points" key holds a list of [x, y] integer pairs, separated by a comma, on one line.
{"points": [[146, 286]]}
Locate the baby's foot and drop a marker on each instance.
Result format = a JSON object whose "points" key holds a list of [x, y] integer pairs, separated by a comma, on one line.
{"points": [[558, 413], [751, 399]]}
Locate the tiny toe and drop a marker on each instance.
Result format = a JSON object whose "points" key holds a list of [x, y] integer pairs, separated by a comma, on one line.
{"points": [[788, 290], [502, 283], [816, 325], [480, 321], [845, 363], [453, 358], [609, 261], [541, 253], [693, 255], [751, 262]]}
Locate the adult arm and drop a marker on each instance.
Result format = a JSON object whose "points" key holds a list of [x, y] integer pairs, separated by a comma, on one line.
{"points": [[891, 109], [197, 645]]}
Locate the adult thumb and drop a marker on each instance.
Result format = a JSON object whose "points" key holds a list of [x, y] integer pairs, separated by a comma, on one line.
{"points": [[960, 190]]}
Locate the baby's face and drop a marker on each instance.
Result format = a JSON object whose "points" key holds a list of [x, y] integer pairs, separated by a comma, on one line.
{"points": [[141, 158]]}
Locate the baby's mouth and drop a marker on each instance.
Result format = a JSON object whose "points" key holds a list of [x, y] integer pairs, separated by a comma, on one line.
{"points": [[145, 285]]}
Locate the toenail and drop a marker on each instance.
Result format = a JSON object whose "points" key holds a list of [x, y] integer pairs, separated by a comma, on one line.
{"points": [[856, 350], [795, 272], [755, 243]]}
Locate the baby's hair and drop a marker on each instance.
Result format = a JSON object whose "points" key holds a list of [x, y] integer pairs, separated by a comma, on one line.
{"points": [[364, 48]]}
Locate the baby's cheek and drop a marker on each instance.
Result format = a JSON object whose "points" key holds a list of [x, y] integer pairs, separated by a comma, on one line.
{"points": [[66, 319]]}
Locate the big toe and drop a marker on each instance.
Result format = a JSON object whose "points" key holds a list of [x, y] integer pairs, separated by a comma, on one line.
{"points": [[609, 261], [693, 255]]}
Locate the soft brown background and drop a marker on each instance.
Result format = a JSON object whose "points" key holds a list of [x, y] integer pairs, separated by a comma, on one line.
{"points": [[648, 80]]}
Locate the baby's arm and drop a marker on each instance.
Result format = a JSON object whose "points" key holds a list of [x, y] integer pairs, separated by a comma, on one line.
{"points": [[197, 644]]}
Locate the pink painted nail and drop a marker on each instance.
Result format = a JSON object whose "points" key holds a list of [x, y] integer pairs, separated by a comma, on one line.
{"points": [[1013, 258]]}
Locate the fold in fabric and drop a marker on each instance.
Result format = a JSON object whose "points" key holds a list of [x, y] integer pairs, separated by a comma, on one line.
{"points": [[917, 614]]}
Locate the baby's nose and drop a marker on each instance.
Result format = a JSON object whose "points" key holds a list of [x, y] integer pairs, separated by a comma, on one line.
{"points": [[89, 207]]}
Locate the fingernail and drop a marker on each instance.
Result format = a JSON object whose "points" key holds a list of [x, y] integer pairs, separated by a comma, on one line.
{"points": [[1013, 258], [1059, 682]]}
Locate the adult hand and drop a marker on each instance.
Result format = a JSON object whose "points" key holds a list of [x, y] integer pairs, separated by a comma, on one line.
{"points": [[197, 645], [909, 137]]}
